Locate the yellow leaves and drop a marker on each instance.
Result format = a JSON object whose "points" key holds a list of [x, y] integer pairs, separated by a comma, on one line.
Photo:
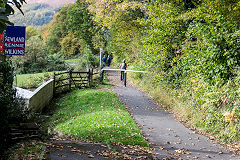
{"points": [[126, 5], [230, 116], [182, 151], [109, 12], [69, 44]]}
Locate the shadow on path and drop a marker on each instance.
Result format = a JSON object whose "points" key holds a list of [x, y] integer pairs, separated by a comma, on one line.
{"points": [[70, 150]]}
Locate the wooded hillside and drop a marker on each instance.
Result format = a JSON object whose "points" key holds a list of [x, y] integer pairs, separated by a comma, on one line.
{"points": [[52, 3], [34, 15]]}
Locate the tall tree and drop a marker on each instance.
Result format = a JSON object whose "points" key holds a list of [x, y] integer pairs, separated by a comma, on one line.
{"points": [[73, 31], [80, 22], [122, 21]]}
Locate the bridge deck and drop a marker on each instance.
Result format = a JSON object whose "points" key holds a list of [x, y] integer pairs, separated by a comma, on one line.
{"points": [[106, 69]]}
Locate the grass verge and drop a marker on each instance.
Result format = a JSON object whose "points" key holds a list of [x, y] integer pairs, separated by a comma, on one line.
{"points": [[31, 80], [30, 149], [98, 116], [76, 60]]}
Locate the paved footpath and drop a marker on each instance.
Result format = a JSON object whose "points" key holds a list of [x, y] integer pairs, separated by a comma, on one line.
{"points": [[169, 138]]}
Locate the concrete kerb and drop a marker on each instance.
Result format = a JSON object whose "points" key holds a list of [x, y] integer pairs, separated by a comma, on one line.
{"points": [[38, 99]]}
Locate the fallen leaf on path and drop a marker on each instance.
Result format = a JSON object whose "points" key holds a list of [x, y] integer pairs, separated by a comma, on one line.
{"points": [[161, 148], [195, 157], [61, 155], [208, 156], [182, 151], [90, 156], [167, 142], [211, 138]]}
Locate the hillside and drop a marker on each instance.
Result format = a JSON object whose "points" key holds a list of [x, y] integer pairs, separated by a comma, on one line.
{"points": [[52, 3], [34, 14]]}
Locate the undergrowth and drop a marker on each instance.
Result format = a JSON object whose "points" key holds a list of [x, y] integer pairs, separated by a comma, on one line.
{"points": [[28, 149], [211, 109]]}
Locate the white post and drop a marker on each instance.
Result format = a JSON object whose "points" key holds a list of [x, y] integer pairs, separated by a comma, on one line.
{"points": [[101, 50]]}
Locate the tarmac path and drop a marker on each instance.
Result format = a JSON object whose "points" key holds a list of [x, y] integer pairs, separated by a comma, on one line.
{"points": [[169, 138]]}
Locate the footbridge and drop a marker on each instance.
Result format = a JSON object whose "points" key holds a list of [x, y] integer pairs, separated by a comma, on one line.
{"points": [[124, 71]]}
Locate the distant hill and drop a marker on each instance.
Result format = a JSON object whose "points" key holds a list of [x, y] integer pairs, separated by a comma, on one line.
{"points": [[35, 14], [52, 3]]}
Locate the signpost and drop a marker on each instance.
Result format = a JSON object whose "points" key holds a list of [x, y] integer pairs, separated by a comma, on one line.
{"points": [[101, 50], [14, 40]]}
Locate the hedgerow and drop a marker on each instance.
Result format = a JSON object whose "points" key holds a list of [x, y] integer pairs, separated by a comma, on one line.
{"points": [[190, 50]]}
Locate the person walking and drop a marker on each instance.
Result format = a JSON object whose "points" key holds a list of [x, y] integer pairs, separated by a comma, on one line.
{"points": [[108, 60], [104, 59], [123, 65]]}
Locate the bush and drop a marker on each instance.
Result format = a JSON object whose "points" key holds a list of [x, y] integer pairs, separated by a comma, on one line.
{"points": [[12, 109], [87, 61], [52, 63]]}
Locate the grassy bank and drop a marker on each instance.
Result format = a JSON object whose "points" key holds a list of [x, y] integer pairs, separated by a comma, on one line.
{"points": [[76, 60], [212, 110], [31, 80], [98, 116]]}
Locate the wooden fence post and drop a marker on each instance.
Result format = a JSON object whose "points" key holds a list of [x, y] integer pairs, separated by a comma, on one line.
{"points": [[70, 79], [54, 81], [101, 75], [89, 77]]}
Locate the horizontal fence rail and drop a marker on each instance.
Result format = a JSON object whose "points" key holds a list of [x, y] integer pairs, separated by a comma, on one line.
{"points": [[66, 80]]}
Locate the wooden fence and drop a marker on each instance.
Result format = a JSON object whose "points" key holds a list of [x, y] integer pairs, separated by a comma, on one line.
{"points": [[65, 81]]}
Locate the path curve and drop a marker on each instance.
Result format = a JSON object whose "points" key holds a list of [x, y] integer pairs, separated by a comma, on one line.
{"points": [[168, 137]]}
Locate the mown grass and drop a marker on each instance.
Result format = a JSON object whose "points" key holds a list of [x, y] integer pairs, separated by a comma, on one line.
{"points": [[98, 116], [31, 80], [76, 60]]}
